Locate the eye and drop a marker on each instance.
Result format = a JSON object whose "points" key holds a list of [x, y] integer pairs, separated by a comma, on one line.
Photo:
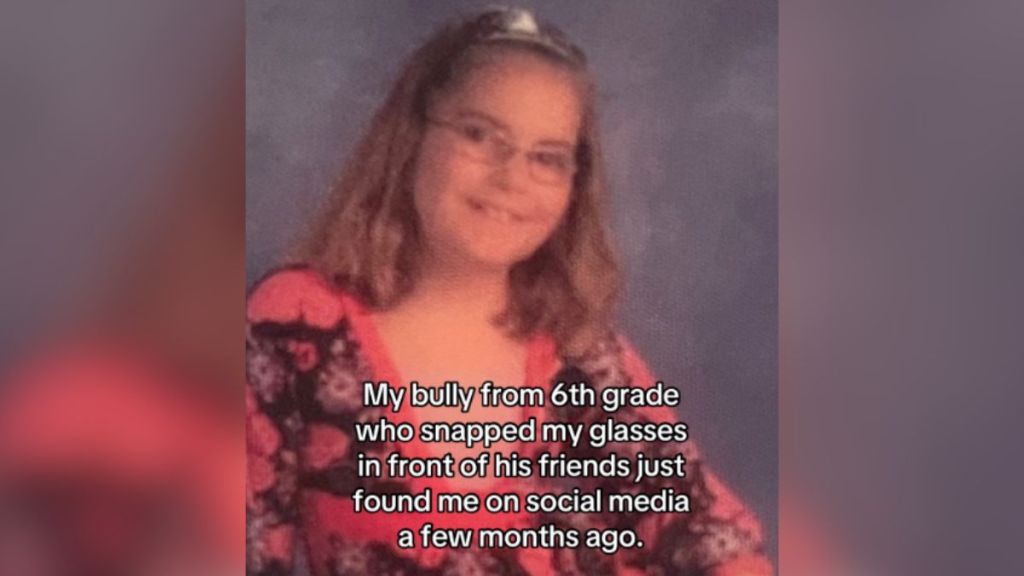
{"points": [[554, 160], [475, 132]]}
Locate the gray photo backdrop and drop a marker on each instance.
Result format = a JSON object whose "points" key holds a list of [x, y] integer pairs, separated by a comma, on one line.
{"points": [[689, 115]]}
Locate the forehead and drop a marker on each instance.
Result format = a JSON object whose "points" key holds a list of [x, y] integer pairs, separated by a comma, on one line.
{"points": [[534, 98]]}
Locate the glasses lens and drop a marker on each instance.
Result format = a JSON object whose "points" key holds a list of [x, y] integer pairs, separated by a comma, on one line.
{"points": [[478, 142], [552, 167]]}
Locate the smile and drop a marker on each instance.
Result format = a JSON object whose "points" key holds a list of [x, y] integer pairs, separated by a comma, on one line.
{"points": [[495, 213]]}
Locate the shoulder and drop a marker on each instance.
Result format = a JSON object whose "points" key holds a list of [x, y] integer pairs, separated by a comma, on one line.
{"points": [[297, 293], [51, 405], [613, 360]]}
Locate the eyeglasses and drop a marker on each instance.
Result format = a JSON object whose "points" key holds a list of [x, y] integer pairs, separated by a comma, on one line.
{"points": [[485, 143]]}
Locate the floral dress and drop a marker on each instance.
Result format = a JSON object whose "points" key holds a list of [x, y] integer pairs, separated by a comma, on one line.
{"points": [[310, 346]]}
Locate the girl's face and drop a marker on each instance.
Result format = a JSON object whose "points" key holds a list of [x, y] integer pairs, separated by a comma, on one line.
{"points": [[495, 172]]}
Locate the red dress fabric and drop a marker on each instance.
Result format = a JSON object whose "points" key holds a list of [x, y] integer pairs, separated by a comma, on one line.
{"points": [[111, 463], [310, 347]]}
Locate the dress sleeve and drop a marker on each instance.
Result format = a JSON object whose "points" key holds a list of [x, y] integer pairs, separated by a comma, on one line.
{"points": [[282, 310], [720, 536]]}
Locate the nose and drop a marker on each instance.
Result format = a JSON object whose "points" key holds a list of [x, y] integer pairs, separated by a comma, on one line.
{"points": [[512, 174]]}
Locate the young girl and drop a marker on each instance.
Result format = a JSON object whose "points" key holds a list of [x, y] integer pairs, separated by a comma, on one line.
{"points": [[465, 242]]}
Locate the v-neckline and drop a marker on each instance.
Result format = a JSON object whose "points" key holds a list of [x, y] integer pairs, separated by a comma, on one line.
{"points": [[541, 366], [384, 368]]}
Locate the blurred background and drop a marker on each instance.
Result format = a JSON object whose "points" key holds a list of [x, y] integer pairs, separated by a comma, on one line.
{"points": [[687, 96], [122, 251], [900, 280]]}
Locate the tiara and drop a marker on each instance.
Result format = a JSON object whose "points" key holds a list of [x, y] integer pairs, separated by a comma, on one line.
{"points": [[519, 25]]}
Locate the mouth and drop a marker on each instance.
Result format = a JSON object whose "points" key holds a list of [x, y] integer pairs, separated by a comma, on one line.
{"points": [[494, 212]]}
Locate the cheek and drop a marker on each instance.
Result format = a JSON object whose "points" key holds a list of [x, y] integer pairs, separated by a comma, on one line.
{"points": [[430, 184], [555, 205], [439, 181]]}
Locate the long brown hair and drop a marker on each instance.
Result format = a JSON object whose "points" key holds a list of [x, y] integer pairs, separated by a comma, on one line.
{"points": [[367, 237]]}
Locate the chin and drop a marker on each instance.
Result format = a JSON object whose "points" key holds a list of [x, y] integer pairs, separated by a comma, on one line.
{"points": [[495, 253], [472, 246], [497, 260]]}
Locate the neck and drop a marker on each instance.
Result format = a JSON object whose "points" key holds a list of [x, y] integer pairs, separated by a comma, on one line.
{"points": [[473, 294]]}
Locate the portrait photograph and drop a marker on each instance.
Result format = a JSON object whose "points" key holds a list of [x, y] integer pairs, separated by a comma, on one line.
{"points": [[530, 196]]}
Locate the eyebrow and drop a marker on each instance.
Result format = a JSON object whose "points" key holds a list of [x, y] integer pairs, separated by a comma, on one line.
{"points": [[471, 113]]}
